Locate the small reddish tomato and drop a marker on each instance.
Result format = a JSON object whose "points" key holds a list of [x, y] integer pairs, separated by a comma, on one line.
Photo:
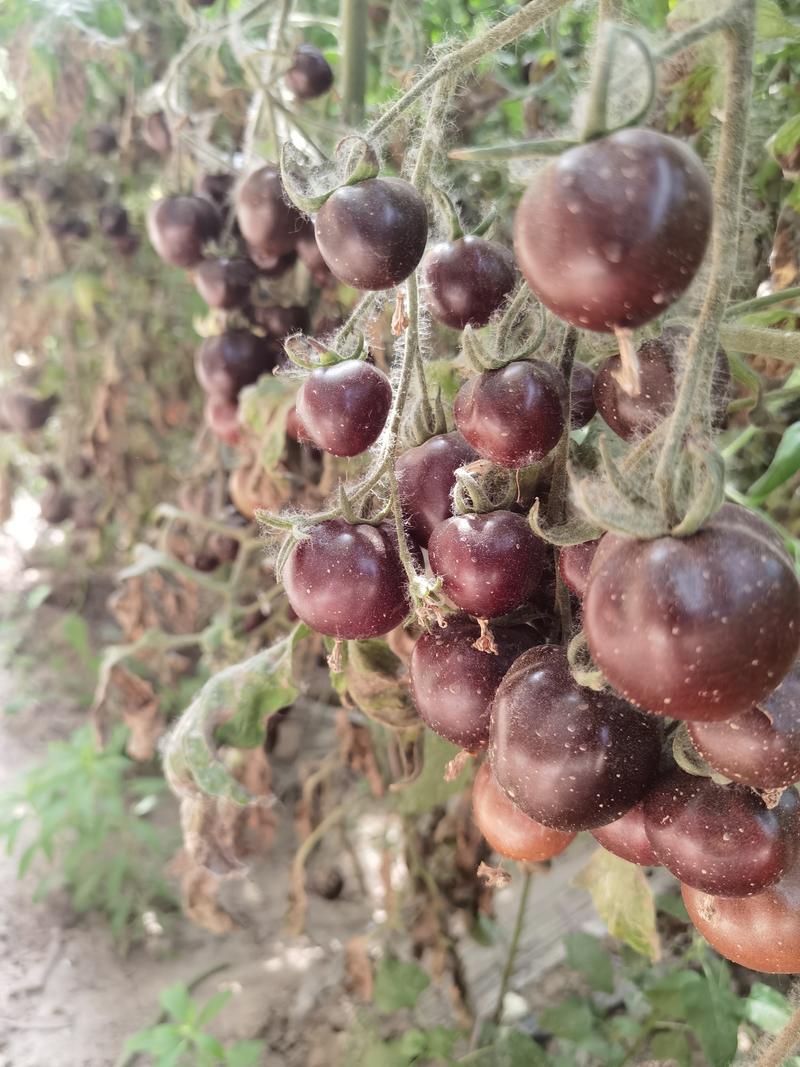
{"points": [[468, 280], [268, 222], [344, 407], [574, 562], [310, 74], [509, 831], [626, 837], [425, 481]]}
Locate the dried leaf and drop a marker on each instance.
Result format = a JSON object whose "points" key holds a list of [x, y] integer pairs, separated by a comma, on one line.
{"points": [[624, 901]]}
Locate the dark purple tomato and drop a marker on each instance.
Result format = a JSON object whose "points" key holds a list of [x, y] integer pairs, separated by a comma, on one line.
{"points": [[295, 428], [453, 684], [215, 187], [347, 581], [309, 253], [179, 227], [102, 139], [56, 505], [699, 627], [228, 362], [269, 223], [310, 74], [659, 360], [21, 411], [626, 837], [489, 564], [612, 232], [760, 932], [425, 480], [113, 220], [224, 283], [582, 406], [513, 416], [720, 839], [269, 265], [574, 562], [569, 757], [222, 418], [760, 748], [344, 406], [155, 133], [372, 234], [280, 322], [468, 280], [11, 147], [509, 831]]}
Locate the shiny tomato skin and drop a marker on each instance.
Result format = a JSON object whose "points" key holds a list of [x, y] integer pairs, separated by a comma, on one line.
{"points": [[468, 280], [574, 563], [229, 361], [310, 74], [179, 227], [372, 234], [567, 756], [509, 831], [626, 837], [224, 283], [612, 232], [489, 564], [268, 222], [425, 481], [346, 580], [344, 407], [513, 416], [697, 628]]}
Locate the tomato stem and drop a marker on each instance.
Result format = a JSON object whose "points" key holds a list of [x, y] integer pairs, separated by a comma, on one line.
{"points": [[513, 948], [354, 21]]}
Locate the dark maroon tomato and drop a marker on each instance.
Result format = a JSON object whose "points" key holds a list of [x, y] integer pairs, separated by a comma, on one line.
{"points": [[453, 684], [228, 362], [155, 133], [271, 266], [582, 406], [698, 627], [113, 220], [56, 505], [719, 839], [659, 360], [179, 226], [509, 831], [468, 280], [489, 564], [347, 581], [626, 837], [222, 418], [513, 416], [762, 747], [759, 932], [11, 147], [574, 562], [612, 232], [214, 187], [309, 253], [310, 74], [372, 234], [280, 322], [21, 411], [102, 139], [224, 283], [425, 480], [569, 757], [269, 223], [344, 406], [295, 428]]}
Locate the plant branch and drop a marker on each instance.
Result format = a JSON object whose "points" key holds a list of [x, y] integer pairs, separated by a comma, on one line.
{"points": [[519, 925], [746, 307], [716, 23], [761, 341], [354, 59]]}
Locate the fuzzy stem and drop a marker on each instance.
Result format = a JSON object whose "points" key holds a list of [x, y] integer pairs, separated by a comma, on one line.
{"points": [[746, 307], [413, 340], [559, 483], [761, 341], [498, 36], [519, 924], [432, 134], [692, 402], [784, 1044], [354, 59], [723, 21]]}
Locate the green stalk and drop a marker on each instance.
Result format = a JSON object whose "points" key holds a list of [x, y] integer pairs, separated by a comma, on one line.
{"points": [[353, 14]]}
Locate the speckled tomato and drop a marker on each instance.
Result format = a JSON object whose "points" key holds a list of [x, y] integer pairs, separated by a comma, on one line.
{"points": [[372, 234], [222, 418], [224, 283], [698, 627], [509, 831], [453, 684], [179, 227], [468, 280], [489, 564], [344, 406], [582, 406], [760, 748], [567, 756], [634, 416], [280, 322], [295, 428], [574, 562], [229, 361], [346, 580], [760, 932], [268, 222], [425, 481], [308, 251], [720, 839], [626, 837], [310, 74], [513, 416], [612, 232]]}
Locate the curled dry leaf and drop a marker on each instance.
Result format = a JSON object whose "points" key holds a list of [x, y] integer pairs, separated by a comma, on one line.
{"points": [[355, 746], [199, 890], [494, 877], [358, 968], [140, 713]]}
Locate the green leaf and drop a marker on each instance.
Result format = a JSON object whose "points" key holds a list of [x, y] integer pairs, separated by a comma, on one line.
{"points": [[589, 956], [209, 1046], [37, 596], [671, 1045], [624, 901], [245, 1054], [767, 1008], [572, 1019], [176, 1001], [263, 408], [212, 1007], [787, 138], [771, 22], [511, 1050], [373, 677], [672, 904], [430, 789], [398, 984], [158, 1040], [713, 1013], [784, 465]]}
